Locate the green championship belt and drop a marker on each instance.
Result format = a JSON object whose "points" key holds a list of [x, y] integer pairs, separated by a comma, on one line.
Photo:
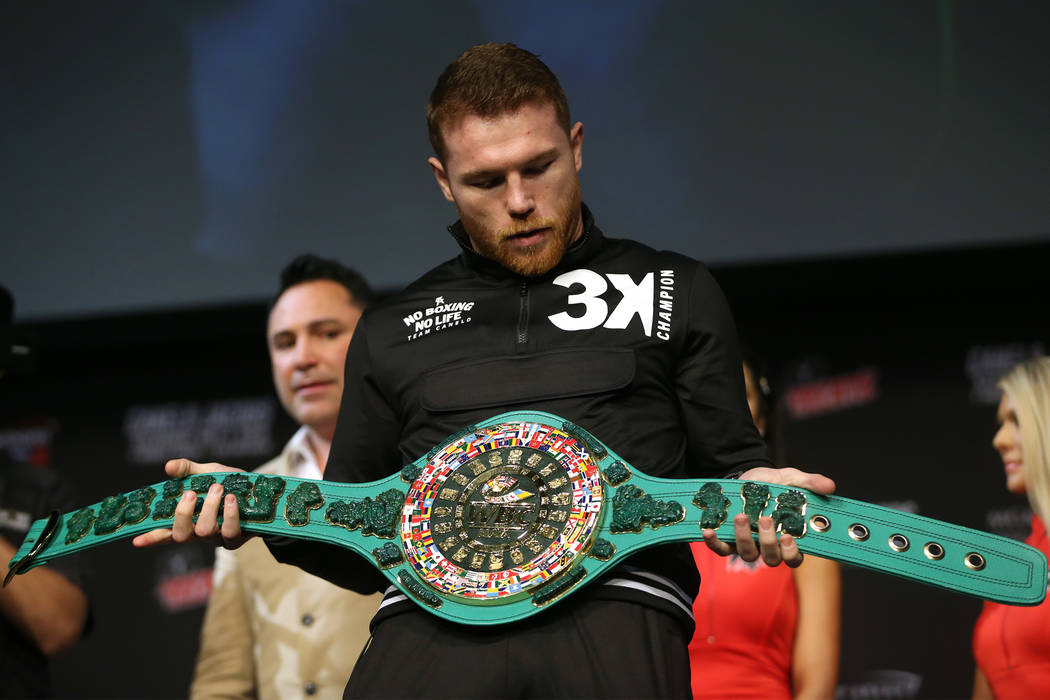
{"points": [[525, 508]]}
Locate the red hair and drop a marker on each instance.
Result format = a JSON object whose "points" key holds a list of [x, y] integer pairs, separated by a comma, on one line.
{"points": [[489, 80]]}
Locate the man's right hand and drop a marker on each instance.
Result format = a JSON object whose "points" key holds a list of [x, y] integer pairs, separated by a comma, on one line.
{"points": [[183, 529]]}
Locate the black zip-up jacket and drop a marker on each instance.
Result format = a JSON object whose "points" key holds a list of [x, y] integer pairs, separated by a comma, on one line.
{"points": [[635, 345]]}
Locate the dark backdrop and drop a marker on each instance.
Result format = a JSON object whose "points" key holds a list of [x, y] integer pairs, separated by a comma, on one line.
{"points": [[160, 154]]}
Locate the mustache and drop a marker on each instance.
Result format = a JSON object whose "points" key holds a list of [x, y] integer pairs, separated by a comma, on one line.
{"points": [[526, 226]]}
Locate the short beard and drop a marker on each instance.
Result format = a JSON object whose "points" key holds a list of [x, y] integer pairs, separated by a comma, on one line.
{"points": [[537, 260]]}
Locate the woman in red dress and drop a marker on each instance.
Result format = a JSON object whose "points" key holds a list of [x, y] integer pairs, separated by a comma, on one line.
{"points": [[793, 629], [1012, 644]]}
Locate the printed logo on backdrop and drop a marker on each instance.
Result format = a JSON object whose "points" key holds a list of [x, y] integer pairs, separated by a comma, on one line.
{"points": [[225, 429], [831, 395], [986, 365], [651, 300], [30, 444], [437, 317], [887, 684], [183, 577], [15, 520], [1014, 522]]}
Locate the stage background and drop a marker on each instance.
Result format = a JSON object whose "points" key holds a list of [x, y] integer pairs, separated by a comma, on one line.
{"points": [[867, 180], [163, 155]]}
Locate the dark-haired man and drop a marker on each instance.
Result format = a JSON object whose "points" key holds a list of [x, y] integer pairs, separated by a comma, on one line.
{"points": [[271, 630], [539, 311]]}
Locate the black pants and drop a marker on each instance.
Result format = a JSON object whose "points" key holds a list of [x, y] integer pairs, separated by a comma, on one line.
{"points": [[581, 649]]}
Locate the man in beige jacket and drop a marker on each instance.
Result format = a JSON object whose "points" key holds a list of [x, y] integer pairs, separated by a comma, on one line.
{"points": [[272, 630]]}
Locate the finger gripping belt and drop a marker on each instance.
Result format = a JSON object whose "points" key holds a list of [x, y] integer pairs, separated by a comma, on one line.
{"points": [[519, 511]]}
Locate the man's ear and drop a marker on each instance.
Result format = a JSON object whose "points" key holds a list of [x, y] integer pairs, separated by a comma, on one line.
{"points": [[441, 176], [576, 141]]}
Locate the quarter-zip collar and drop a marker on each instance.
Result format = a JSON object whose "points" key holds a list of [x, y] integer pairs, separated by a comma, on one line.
{"points": [[585, 247]]}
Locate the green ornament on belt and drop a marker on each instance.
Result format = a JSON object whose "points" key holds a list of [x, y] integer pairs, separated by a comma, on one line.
{"points": [[519, 511]]}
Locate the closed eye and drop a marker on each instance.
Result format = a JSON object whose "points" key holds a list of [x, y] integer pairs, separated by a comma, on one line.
{"points": [[488, 184], [538, 169]]}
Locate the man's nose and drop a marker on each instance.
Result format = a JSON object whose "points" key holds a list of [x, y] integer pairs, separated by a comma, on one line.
{"points": [[520, 200], [305, 353]]}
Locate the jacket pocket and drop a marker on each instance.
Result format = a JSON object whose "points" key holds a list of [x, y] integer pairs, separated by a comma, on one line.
{"points": [[518, 379]]}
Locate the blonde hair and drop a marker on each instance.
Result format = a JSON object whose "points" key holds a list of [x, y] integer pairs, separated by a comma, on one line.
{"points": [[1028, 385]]}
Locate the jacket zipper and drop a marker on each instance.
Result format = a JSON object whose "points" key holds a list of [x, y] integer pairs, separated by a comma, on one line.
{"points": [[523, 314]]}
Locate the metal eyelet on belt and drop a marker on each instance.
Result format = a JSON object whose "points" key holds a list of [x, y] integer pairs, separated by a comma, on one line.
{"points": [[859, 532], [820, 523], [974, 561], [933, 551], [899, 543]]}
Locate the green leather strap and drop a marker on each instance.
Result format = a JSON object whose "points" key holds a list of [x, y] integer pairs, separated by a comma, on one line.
{"points": [[518, 511]]}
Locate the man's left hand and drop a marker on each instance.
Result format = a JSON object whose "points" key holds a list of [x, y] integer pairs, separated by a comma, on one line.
{"points": [[771, 549]]}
